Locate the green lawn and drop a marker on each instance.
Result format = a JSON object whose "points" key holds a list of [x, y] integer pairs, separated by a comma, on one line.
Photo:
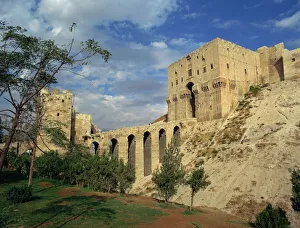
{"points": [[48, 209]]}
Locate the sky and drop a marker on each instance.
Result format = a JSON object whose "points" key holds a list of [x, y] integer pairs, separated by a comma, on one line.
{"points": [[144, 37]]}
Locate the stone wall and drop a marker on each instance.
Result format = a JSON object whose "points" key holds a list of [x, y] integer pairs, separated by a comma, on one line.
{"points": [[57, 111]]}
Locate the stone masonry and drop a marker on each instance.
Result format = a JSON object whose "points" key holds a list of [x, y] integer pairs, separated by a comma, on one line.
{"points": [[204, 85]]}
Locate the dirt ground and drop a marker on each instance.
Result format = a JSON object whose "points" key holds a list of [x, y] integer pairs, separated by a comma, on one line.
{"points": [[173, 216]]}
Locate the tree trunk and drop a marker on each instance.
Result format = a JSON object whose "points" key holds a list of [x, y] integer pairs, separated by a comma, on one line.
{"points": [[32, 163], [192, 201], [9, 138]]}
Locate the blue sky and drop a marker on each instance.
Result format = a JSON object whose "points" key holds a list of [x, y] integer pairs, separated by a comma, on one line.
{"points": [[144, 37]]}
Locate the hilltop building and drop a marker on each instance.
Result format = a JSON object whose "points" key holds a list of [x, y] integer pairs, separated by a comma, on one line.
{"points": [[204, 85]]}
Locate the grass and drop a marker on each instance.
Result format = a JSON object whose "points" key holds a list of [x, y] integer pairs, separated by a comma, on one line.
{"points": [[48, 209], [196, 225], [193, 212]]}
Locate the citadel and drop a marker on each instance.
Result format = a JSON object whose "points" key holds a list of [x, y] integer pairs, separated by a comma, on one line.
{"points": [[204, 85]]}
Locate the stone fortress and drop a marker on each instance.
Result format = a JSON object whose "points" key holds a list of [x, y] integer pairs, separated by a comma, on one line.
{"points": [[204, 85]]}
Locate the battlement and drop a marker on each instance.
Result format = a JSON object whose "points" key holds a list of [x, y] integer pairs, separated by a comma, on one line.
{"points": [[54, 91]]}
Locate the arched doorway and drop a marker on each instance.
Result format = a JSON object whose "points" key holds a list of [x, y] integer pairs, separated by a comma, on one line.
{"points": [[131, 150], [192, 100], [176, 136], [94, 148], [114, 147], [147, 153], [162, 144]]}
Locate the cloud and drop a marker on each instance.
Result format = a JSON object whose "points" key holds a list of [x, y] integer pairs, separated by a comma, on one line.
{"points": [[256, 5], [294, 43], [253, 37], [192, 15], [279, 1], [225, 24], [292, 22], [160, 44]]}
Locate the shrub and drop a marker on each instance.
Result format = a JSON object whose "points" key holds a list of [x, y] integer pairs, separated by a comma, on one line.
{"points": [[49, 164], [103, 173], [254, 89], [125, 176], [74, 166], [11, 158], [18, 194], [170, 174], [22, 164], [269, 217], [296, 190]]}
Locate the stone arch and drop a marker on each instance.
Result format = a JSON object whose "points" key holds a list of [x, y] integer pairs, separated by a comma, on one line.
{"points": [[192, 108], [176, 136], [94, 148], [147, 153], [131, 150], [162, 144], [114, 147]]}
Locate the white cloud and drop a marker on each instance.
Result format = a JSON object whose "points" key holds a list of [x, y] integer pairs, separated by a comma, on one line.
{"points": [[225, 24], [279, 1], [160, 44], [191, 15], [292, 22]]}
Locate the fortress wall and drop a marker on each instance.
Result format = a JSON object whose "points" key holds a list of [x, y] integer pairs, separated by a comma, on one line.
{"points": [[83, 125], [197, 67], [122, 137], [57, 109], [291, 62]]}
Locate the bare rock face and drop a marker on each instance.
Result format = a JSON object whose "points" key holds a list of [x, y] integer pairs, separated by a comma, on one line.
{"points": [[249, 156]]}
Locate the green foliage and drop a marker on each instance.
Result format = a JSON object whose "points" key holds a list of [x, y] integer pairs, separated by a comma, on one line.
{"points": [[5, 219], [75, 164], [269, 217], [103, 173], [49, 164], [170, 174], [296, 190], [19, 194], [197, 180], [254, 89], [125, 176], [22, 164], [11, 158], [57, 135]]}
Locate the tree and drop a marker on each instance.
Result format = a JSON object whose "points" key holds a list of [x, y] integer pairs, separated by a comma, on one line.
{"points": [[197, 180], [1, 132], [125, 176], [296, 190], [170, 174], [269, 217], [28, 64]]}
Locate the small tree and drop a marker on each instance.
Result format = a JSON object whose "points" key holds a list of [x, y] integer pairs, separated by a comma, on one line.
{"points": [[269, 217], [197, 180], [170, 174], [296, 190], [49, 164], [125, 176]]}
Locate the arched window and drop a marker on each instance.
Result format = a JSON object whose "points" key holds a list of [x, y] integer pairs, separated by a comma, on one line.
{"points": [[147, 153]]}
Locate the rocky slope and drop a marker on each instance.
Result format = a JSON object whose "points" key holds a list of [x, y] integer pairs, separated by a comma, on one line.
{"points": [[248, 156]]}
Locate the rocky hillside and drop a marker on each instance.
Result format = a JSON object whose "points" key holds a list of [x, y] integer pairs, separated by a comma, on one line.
{"points": [[248, 156]]}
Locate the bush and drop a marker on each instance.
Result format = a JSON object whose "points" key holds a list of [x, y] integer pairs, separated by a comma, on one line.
{"points": [[254, 89], [170, 174], [296, 190], [125, 176], [49, 164], [18, 194], [11, 158], [22, 164], [103, 173], [74, 167], [269, 217]]}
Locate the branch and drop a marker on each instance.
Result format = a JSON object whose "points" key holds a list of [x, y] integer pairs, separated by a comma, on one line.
{"points": [[15, 106], [8, 110]]}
